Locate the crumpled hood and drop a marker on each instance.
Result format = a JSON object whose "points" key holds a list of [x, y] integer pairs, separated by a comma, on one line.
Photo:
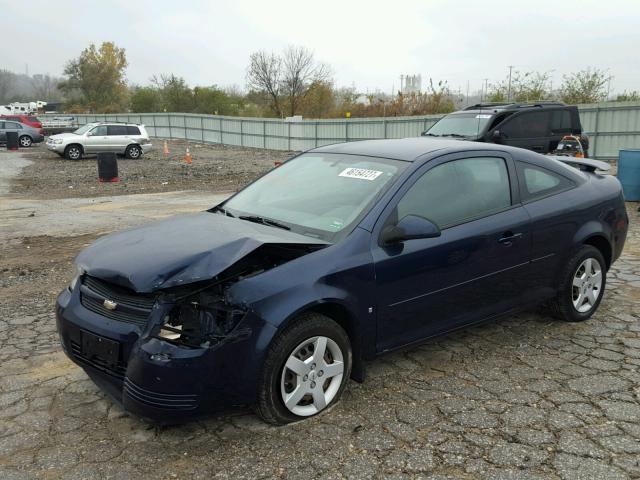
{"points": [[179, 250]]}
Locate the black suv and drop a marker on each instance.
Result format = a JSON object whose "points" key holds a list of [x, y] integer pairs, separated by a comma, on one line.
{"points": [[534, 126]]}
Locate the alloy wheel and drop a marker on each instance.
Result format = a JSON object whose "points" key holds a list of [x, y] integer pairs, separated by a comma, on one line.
{"points": [[25, 141], [587, 285], [74, 153], [312, 376], [134, 152]]}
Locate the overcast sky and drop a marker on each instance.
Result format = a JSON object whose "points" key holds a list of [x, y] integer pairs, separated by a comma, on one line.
{"points": [[367, 43]]}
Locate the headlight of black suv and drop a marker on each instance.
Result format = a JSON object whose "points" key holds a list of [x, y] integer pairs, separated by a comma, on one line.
{"points": [[200, 321]]}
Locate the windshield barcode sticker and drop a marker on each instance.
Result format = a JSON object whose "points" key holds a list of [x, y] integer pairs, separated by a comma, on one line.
{"points": [[361, 173]]}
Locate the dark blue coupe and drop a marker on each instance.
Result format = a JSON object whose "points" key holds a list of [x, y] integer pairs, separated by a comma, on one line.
{"points": [[277, 296]]}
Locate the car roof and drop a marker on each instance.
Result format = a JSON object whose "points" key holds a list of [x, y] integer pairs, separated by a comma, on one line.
{"points": [[407, 149]]}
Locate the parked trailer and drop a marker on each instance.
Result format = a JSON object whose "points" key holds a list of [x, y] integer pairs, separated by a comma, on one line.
{"points": [[53, 125]]}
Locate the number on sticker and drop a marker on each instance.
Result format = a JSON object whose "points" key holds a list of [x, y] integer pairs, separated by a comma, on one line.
{"points": [[361, 173]]}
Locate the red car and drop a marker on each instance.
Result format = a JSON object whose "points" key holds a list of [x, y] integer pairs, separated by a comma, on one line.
{"points": [[26, 119]]}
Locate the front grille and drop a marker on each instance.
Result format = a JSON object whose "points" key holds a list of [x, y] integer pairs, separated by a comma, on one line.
{"points": [[117, 371], [131, 307], [160, 400]]}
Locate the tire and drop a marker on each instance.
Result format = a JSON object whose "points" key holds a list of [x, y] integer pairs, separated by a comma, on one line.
{"points": [[319, 385], [576, 302], [25, 141], [73, 152], [133, 152]]}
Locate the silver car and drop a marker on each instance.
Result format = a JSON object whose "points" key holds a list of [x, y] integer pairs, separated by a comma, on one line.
{"points": [[128, 139], [27, 135]]}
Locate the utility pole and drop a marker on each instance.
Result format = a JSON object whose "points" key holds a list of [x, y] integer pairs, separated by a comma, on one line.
{"points": [[467, 101], [509, 89], [485, 89]]}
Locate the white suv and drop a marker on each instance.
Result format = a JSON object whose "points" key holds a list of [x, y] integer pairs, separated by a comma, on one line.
{"points": [[129, 139]]}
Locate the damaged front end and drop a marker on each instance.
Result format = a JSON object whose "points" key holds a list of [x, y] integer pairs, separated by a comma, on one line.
{"points": [[203, 316], [185, 358]]}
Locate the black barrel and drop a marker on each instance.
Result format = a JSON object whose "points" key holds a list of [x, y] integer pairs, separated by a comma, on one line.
{"points": [[12, 140], [107, 167]]}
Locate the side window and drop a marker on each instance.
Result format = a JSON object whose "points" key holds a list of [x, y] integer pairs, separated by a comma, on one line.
{"points": [[561, 121], [99, 131], [459, 191], [527, 125], [1, 125], [539, 182], [117, 130], [131, 130], [13, 126]]}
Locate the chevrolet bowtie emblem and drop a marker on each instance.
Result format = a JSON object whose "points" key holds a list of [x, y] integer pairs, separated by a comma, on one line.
{"points": [[109, 304]]}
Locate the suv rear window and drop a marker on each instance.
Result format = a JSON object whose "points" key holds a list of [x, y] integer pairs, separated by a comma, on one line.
{"points": [[131, 130], [117, 130], [33, 119]]}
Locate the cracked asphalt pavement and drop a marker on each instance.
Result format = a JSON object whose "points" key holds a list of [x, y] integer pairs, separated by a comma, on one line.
{"points": [[526, 397]]}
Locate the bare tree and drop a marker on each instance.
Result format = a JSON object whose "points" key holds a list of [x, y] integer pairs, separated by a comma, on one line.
{"points": [[6, 84], [300, 71], [264, 74]]}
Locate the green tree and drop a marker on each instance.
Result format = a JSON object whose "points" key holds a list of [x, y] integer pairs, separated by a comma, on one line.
{"points": [[213, 100], [525, 87], [146, 100], [585, 86], [631, 96], [99, 75], [175, 93]]}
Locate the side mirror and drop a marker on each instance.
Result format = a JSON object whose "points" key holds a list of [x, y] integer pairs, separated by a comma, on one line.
{"points": [[409, 228], [496, 136], [89, 134]]}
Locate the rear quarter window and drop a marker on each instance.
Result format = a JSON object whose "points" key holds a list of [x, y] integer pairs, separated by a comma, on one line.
{"points": [[538, 182], [33, 119], [131, 130]]}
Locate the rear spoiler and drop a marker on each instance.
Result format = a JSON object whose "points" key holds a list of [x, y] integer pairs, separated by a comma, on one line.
{"points": [[584, 164]]}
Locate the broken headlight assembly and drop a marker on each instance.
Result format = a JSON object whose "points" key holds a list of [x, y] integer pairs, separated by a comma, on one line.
{"points": [[76, 276], [201, 320]]}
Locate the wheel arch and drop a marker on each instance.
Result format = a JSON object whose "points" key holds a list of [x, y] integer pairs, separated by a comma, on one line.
{"points": [[74, 144], [598, 235], [339, 313], [601, 242]]}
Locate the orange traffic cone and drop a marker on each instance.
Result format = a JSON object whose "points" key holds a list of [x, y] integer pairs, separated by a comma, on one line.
{"points": [[166, 149], [187, 157]]}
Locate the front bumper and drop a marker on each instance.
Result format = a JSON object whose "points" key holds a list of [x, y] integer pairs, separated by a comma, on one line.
{"points": [[146, 147], [55, 147], [157, 380]]}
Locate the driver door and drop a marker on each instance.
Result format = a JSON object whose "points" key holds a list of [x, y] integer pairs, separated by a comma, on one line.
{"points": [[96, 139], [473, 270]]}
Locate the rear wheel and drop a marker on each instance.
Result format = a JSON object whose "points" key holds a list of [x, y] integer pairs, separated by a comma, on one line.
{"points": [[25, 141], [582, 285], [306, 370], [133, 152], [73, 152]]}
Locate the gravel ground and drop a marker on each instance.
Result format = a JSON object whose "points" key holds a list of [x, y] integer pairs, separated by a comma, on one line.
{"points": [[526, 397], [214, 168]]}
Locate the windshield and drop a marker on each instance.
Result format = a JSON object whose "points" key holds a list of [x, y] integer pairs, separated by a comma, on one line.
{"points": [[460, 124], [84, 128], [317, 194]]}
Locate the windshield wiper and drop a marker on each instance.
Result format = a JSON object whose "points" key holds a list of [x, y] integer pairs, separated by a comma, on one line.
{"points": [[430, 135], [264, 221], [457, 135], [226, 212]]}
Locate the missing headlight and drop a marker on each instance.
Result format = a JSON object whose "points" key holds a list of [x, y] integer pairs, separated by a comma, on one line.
{"points": [[200, 321]]}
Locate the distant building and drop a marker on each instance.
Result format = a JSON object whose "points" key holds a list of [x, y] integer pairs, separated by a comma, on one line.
{"points": [[410, 84]]}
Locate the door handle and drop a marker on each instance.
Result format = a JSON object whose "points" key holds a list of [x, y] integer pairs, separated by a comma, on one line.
{"points": [[508, 238]]}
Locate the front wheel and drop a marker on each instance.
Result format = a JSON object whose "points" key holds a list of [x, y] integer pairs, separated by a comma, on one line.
{"points": [[25, 141], [306, 370], [582, 285], [73, 152]]}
